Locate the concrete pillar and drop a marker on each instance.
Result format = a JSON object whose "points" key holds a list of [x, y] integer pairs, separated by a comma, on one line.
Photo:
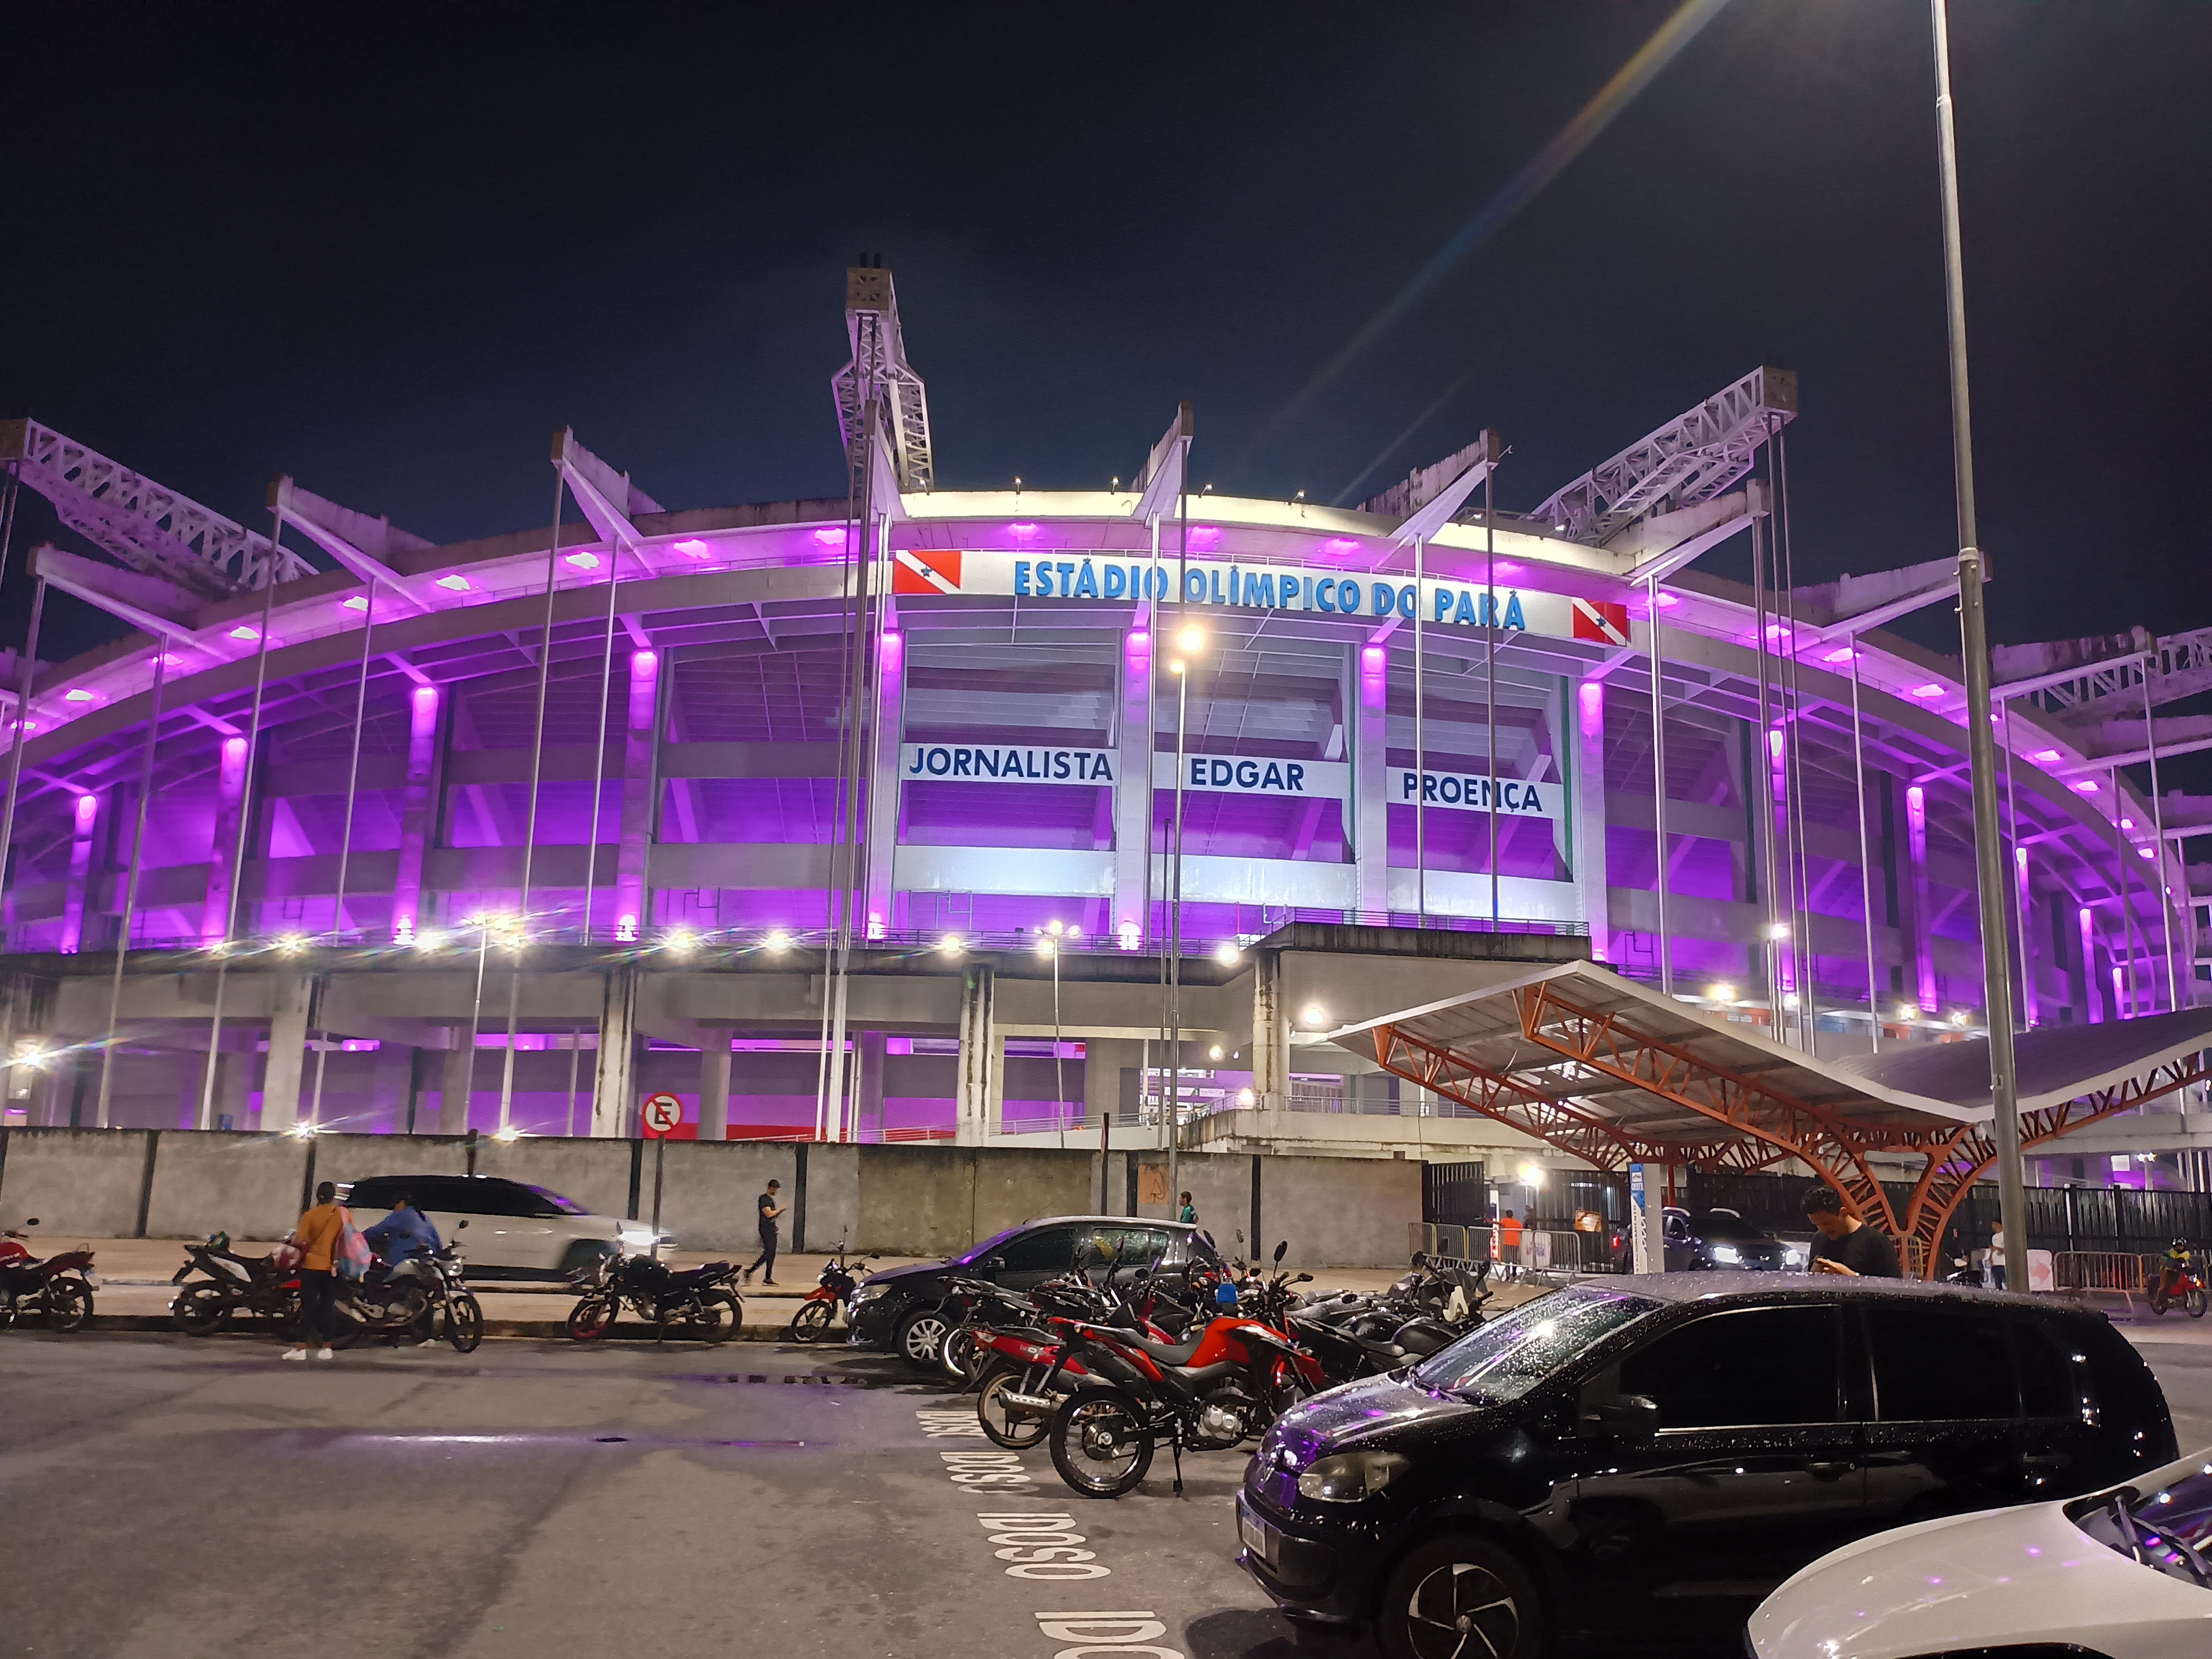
{"points": [[390, 1079], [86, 819], [1590, 878], [981, 1083], [715, 1087], [454, 1086], [1132, 793], [233, 1077], [1923, 909], [614, 1083], [418, 813], [867, 1085], [637, 790], [1271, 1033], [876, 913], [1367, 707], [290, 996], [223, 844]]}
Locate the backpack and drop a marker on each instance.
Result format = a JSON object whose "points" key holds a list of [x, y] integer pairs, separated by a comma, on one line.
{"points": [[350, 1255]]}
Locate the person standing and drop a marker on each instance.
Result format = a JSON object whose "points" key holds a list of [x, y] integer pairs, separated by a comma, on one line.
{"points": [[317, 1234], [1997, 1257], [1509, 1244], [770, 1213], [1847, 1245], [1188, 1213]]}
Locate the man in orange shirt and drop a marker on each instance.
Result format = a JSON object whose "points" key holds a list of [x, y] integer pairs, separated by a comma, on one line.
{"points": [[316, 1235], [1509, 1243]]}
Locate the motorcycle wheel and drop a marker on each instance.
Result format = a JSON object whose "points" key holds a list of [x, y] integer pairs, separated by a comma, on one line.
{"points": [[1101, 1444], [962, 1355], [199, 1309], [68, 1304], [347, 1332], [1001, 1428], [719, 1316], [811, 1323], [2192, 1303], [591, 1318], [465, 1322], [2159, 1304]]}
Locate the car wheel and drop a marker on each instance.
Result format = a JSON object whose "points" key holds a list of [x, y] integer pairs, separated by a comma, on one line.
{"points": [[921, 1337], [1458, 1596]]}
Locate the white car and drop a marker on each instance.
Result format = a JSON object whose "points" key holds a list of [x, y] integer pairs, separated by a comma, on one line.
{"points": [[2125, 1573], [516, 1230]]}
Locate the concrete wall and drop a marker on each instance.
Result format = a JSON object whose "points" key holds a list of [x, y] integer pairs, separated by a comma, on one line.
{"points": [[902, 1200], [246, 1185]]}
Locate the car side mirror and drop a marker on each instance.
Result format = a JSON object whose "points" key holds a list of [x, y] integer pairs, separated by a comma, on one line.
{"points": [[1631, 1417], [997, 1264]]}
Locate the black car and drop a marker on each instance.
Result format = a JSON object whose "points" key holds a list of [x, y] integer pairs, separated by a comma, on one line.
{"points": [[1634, 1464], [1718, 1239], [898, 1308]]}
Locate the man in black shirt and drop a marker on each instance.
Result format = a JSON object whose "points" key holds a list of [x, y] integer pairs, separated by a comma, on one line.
{"points": [[1847, 1245], [770, 1212]]}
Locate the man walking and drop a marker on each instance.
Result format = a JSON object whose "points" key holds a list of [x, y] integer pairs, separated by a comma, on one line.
{"points": [[771, 1211], [1847, 1245], [316, 1235]]}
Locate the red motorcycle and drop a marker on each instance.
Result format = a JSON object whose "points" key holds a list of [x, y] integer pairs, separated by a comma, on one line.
{"points": [[58, 1289], [1013, 1362], [1217, 1388]]}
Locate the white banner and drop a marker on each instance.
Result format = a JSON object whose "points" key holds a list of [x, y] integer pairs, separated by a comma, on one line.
{"points": [[961, 763], [1440, 603], [1247, 775]]}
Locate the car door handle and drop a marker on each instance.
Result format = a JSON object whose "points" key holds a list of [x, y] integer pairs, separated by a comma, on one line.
{"points": [[2044, 1459], [1831, 1470]]}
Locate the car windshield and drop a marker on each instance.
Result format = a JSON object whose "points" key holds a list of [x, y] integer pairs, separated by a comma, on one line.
{"points": [[975, 1253], [1712, 1224], [1513, 1353], [566, 1205], [2167, 1526]]}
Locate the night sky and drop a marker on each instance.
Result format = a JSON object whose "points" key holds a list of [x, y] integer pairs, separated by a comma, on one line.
{"points": [[388, 249]]}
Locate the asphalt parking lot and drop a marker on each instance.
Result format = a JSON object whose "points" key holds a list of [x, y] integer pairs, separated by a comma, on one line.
{"points": [[173, 1498]]}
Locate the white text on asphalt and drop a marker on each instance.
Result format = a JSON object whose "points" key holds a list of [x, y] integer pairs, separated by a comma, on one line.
{"points": [[1041, 1546], [1105, 1632], [950, 1424]]}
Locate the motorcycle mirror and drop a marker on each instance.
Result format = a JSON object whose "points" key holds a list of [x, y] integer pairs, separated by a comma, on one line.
{"points": [[1240, 1235], [1282, 1250], [1302, 1279], [33, 1221], [462, 1223]]}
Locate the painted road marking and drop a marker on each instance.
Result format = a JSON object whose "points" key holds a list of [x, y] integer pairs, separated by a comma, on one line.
{"points": [[939, 1423], [1105, 1632]]}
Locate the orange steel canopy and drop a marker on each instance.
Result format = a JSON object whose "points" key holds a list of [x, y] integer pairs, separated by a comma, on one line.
{"points": [[1615, 1073]]}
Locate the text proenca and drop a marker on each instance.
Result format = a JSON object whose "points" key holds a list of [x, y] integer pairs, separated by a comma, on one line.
{"points": [[1472, 793]]}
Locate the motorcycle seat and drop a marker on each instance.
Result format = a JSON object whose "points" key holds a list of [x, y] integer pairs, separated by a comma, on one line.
{"points": [[1167, 1353]]}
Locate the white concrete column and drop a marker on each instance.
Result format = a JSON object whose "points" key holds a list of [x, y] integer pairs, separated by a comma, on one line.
{"points": [[715, 1087], [1587, 710], [289, 1000], [614, 1082], [1133, 790], [454, 1086], [1271, 1031], [1366, 699], [982, 1080], [640, 781]]}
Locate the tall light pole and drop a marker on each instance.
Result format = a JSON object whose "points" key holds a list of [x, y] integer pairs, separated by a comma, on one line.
{"points": [[1973, 632], [1190, 639], [1049, 938]]}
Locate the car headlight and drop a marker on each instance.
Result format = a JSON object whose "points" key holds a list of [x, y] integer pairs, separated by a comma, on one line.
{"points": [[1350, 1476], [638, 1238], [868, 1294], [1793, 1256], [1727, 1253]]}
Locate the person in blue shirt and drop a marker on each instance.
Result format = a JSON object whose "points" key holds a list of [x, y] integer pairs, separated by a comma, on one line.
{"points": [[401, 1235]]}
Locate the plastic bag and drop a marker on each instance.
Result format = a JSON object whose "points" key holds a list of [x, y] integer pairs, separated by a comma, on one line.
{"points": [[287, 1257], [350, 1255]]}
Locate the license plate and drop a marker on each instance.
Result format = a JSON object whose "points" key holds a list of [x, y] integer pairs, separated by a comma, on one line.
{"points": [[1255, 1533]]}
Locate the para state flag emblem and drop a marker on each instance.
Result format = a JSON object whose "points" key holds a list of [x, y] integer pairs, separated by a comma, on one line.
{"points": [[926, 570], [1599, 620]]}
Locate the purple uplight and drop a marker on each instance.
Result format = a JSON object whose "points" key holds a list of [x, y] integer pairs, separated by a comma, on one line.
{"points": [[696, 549], [2127, 824], [2045, 755], [457, 584], [242, 632], [78, 694], [2146, 852], [582, 561], [1843, 655], [832, 536], [1209, 535], [1931, 690], [1339, 546], [643, 664], [1507, 567], [1371, 659], [2086, 787], [1592, 693], [888, 650], [1141, 641], [1023, 529], [1668, 601], [358, 602]]}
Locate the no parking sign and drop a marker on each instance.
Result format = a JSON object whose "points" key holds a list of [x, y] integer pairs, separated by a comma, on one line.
{"points": [[662, 1113]]}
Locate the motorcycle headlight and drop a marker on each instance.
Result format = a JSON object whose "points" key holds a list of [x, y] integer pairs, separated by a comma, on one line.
{"points": [[1350, 1476], [1727, 1253]]}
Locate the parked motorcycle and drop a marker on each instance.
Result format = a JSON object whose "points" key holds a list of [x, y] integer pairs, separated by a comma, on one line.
{"points": [[1017, 1358], [232, 1284], [696, 1303], [830, 1299], [396, 1300], [58, 1290], [1208, 1393]]}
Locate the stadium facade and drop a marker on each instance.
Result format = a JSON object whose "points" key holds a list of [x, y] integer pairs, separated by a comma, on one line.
{"points": [[889, 815]]}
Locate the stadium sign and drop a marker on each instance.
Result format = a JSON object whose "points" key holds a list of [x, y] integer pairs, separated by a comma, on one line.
{"points": [[1472, 793], [924, 572]]}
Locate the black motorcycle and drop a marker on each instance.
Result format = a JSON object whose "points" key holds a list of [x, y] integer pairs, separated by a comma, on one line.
{"points": [[253, 1287], [696, 1303], [424, 1292]]}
